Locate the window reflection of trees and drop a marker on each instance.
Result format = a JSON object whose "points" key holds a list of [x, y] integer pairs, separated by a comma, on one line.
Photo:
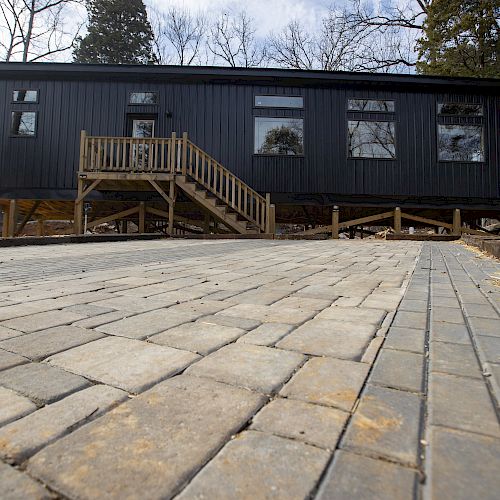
{"points": [[285, 138], [460, 142], [371, 105], [371, 139], [23, 123]]}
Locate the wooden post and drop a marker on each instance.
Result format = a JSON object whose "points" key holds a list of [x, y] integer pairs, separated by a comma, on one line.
{"points": [[184, 153], [206, 223], [171, 161], [272, 219], [335, 222], [77, 223], [142, 217], [268, 206], [457, 224], [12, 219], [83, 151], [5, 221], [397, 220], [40, 228], [171, 208]]}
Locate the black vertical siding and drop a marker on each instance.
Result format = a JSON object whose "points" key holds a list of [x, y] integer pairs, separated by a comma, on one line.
{"points": [[219, 118]]}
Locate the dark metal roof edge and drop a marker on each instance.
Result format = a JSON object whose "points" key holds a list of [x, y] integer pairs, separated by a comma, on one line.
{"points": [[91, 71]]}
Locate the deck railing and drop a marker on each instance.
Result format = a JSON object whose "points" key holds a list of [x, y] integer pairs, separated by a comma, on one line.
{"points": [[175, 156]]}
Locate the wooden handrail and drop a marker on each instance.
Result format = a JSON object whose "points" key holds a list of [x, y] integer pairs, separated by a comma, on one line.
{"points": [[175, 156]]}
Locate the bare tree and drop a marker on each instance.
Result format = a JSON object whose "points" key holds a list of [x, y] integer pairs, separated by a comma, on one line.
{"points": [[232, 40], [179, 35], [34, 30]]}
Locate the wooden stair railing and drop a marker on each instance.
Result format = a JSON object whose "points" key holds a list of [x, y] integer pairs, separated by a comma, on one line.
{"points": [[177, 156]]}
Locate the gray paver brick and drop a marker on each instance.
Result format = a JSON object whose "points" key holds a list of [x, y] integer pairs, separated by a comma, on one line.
{"points": [[386, 423], [259, 368], [42, 383], [268, 314], [39, 345], [462, 403], [89, 310], [266, 334], [313, 424], [149, 446], [243, 323], [409, 319], [13, 406], [296, 467], [355, 477], [102, 319], [353, 314], [23, 438], [17, 486], [413, 305], [146, 324], [307, 303], [124, 363], [490, 348], [42, 321], [449, 332], [339, 339], [198, 337], [405, 339], [464, 465], [485, 326], [456, 359], [399, 369], [8, 333], [327, 381], [447, 315], [9, 359]]}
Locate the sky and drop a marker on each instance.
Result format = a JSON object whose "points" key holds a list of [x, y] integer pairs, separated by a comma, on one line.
{"points": [[269, 15]]}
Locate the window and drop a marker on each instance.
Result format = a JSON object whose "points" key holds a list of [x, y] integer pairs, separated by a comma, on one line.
{"points": [[370, 139], [23, 123], [143, 98], [25, 96], [279, 136], [371, 105], [460, 143], [278, 101], [460, 109]]}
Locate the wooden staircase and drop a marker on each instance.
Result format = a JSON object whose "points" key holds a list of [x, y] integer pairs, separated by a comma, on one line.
{"points": [[185, 167]]}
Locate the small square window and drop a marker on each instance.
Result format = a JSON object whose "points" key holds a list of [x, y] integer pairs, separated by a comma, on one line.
{"points": [[23, 123], [143, 98], [461, 143], [371, 105], [25, 96], [278, 101], [279, 136], [370, 139]]}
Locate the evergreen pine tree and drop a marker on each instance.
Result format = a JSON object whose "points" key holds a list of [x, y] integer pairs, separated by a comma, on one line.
{"points": [[461, 38], [118, 33]]}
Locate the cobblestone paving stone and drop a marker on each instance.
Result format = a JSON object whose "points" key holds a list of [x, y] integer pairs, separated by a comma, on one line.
{"points": [[249, 369]]}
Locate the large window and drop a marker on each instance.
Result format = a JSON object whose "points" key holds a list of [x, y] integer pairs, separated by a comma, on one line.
{"points": [[371, 105], [460, 132], [143, 98], [278, 101], [279, 136], [23, 123], [25, 96], [371, 139], [460, 143]]}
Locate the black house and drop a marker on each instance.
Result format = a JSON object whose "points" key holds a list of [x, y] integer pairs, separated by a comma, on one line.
{"points": [[310, 139]]}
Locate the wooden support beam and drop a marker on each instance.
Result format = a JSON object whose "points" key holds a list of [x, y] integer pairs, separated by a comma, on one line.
{"points": [[27, 217], [87, 190], [142, 217], [5, 221], [155, 211], [397, 220], [366, 220], [12, 218], [272, 219], [40, 227], [268, 204], [425, 220], [171, 209], [335, 222], [77, 220], [161, 192], [184, 153], [109, 218], [457, 224]]}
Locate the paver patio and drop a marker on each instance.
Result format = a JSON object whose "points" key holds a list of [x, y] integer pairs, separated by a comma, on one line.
{"points": [[249, 369]]}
